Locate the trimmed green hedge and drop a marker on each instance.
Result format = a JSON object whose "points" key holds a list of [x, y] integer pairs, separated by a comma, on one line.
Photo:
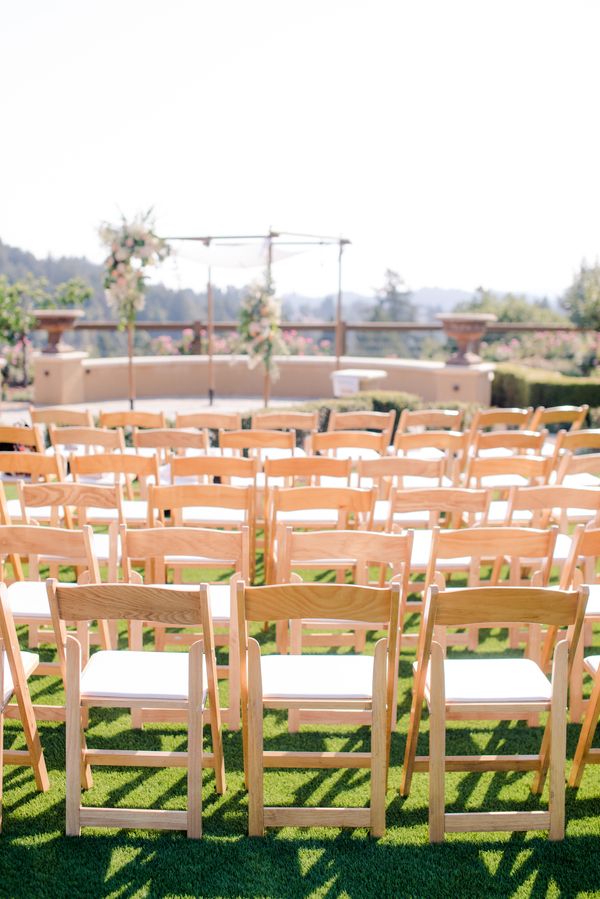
{"points": [[518, 385]]}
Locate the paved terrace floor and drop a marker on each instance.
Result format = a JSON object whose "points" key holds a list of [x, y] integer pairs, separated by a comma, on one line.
{"points": [[17, 413]]}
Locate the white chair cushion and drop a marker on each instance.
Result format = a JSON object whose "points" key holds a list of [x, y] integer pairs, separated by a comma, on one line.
{"points": [[133, 510], [593, 603], [583, 479], [356, 452], [128, 674], [317, 677], [421, 549], [28, 599], [213, 514], [30, 662], [300, 517], [592, 663], [38, 513], [562, 548], [426, 452], [503, 480], [101, 546], [494, 680]]}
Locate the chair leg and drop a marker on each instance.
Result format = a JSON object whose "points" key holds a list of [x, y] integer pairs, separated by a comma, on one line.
{"points": [[437, 746], [558, 742], [194, 773], [411, 741], [379, 730], [1, 761], [256, 818], [576, 684], [586, 736], [73, 741], [234, 678], [31, 733]]}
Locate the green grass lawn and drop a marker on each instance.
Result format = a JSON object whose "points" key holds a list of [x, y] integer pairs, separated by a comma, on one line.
{"points": [[36, 859]]}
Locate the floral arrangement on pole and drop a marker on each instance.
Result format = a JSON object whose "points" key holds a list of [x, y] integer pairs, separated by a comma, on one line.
{"points": [[260, 329], [133, 247]]}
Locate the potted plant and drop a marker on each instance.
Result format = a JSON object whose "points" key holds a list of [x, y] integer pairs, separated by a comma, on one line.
{"points": [[58, 311]]}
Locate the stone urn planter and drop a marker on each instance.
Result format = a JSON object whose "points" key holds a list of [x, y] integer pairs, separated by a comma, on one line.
{"points": [[467, 329], [55, 322]]}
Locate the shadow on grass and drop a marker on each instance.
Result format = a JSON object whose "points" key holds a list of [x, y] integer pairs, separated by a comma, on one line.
{"points": [[295, 863]]}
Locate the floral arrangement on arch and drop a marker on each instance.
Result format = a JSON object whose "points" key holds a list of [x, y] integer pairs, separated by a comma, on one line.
{"points": [[260, 326], [133, 246]]}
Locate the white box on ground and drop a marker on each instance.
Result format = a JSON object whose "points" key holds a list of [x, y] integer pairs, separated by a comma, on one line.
{"points": [[347, 381]]}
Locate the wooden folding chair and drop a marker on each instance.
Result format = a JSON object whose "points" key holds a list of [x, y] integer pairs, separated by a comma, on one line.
{"points": [[27, 601], [523, 551], [353, 552], [93, 504], [589, 551], [214, 470], [347, 444], [24, 438], [313, 508], [307, 471], [498, 417], [133, 418], [587, 440], [129, 678], [399, 472], [209, 420], [449, 507], [167, 443], [67, 440], [448, 445], [499, 473], [285, 421], [588, 554], [320, 682], [178, 549], [205, 505], [498, 689], [120, 468], [554, 415], [429, 419], [33, 467], [507, 443], [555, 503], [16, 666], [578, 471], [363, 421], [260, 443], [61, 415]]}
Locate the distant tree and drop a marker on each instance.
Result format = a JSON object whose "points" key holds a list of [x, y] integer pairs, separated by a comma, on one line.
{"points": [[511, 307], [17, 299], [582, 299], [393, 303]]}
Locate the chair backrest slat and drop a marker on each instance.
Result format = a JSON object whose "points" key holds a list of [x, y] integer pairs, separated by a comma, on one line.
{"points": [[178, 608], [214, 421], [509, 605], [297, 421], [61, 415], [133, 418], [293, 601]]}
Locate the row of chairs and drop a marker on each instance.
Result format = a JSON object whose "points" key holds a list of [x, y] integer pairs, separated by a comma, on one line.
{"points": [[336, 685]]}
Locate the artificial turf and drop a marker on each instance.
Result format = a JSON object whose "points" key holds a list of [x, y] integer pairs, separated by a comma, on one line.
{"points": [[36, 859]]}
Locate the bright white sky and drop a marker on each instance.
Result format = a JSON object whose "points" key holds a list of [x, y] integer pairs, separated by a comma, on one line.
{"points": [[457, 142]]}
